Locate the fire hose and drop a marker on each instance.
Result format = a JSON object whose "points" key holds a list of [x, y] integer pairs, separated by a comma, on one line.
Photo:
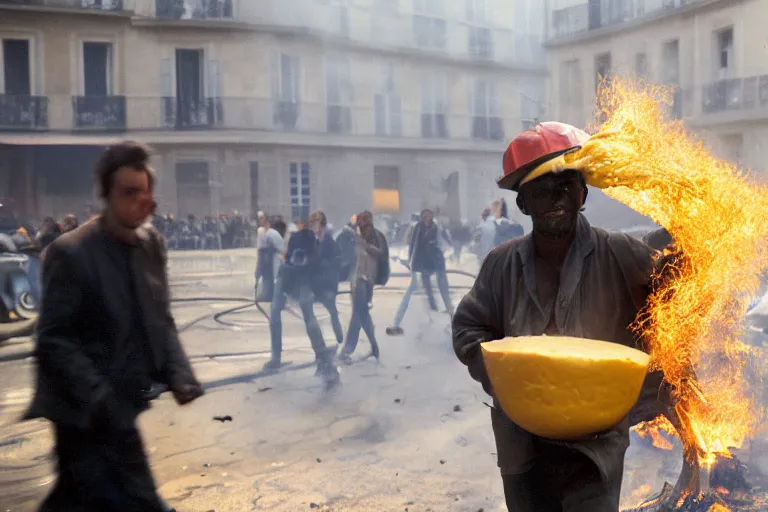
{"points": [[249, 302]]}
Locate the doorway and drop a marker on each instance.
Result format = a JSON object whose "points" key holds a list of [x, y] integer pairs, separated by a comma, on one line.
{"points": [[193, 188], [254, 168]]}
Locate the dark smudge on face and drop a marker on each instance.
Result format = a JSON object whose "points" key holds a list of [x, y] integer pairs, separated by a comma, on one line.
{"points": [[553, 201]]}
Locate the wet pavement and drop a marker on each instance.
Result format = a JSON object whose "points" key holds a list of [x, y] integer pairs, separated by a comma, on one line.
{"points": [[410, 433]]}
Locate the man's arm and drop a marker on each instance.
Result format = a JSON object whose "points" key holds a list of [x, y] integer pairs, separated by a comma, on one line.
{"points": [[478, 319], [59, 349], [178, 371], [369, 248]]}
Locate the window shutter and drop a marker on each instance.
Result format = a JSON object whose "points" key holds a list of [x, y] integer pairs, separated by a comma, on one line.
{"points": [[274, 73], [166, 78]]}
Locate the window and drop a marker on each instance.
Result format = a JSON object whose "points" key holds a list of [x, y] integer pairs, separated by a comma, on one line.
{"points": [[338, 96], [429, 27], [387, 105], [602, 68], [486, 119], [641, 65], [724, 55], [530, 19], [478, 12], [571, 95], [386, 189], [434, 106], [300, 201], [341, 16], [97, 69], [286, 89], [671, 56], [16, 67], [481, 42]]}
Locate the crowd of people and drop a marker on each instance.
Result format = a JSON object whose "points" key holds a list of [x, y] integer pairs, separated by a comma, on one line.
{"points": [[222, 232]]}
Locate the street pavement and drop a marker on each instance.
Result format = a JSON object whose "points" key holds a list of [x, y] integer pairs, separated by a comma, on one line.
{"points": [[411, 433]]}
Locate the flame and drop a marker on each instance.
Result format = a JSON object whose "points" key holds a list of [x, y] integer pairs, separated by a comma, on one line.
{"points": [[717, 507], [657, 430], [716, 216]]}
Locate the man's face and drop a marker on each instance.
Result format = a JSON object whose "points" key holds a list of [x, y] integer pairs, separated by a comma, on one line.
{"points": [[300, 225], [427, 217], [316, 226], [364, 222], [130, 201], [262, 220], [553, 201]]}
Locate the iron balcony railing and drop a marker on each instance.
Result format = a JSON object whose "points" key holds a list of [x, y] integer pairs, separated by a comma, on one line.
{"points": [[60, 113], [103, 5], [105, 113], [734, 94], [194, 9], [23, 112]]}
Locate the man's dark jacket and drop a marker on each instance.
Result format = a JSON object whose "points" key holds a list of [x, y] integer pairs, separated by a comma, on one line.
{"points": [[424, 253], [605, 282], [86, 317]]}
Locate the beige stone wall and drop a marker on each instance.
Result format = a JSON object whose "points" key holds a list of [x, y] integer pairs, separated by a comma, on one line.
{"points": [[695, 31]]}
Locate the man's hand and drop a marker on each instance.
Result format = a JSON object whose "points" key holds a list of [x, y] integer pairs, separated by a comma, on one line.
{"points": [[186, 393]]}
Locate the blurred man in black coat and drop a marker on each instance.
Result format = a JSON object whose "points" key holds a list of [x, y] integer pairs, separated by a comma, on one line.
{"points": [[105, 335]]}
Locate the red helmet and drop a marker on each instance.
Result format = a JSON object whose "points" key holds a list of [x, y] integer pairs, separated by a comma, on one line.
{"points": [[532, 148]]}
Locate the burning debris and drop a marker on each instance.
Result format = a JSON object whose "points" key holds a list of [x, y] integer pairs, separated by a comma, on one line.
{"points": [[722, 489]]}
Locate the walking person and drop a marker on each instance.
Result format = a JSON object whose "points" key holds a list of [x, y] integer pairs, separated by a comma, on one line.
{"points": [[504, 228], [485, 235], [371, 268], [561, 279], [326, 278], [425, 258], [105, 335], [298, 280], [270, 250]]}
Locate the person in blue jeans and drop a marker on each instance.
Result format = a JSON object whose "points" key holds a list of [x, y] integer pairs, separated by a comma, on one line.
{"points": [[425, 258], [371, 268], [305, 277]]}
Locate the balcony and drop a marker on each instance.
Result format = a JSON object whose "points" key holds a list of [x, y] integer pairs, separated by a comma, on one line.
{"points": [[99, 113], [205, 113], [600, 14], [194, 9], [92, 5], [22, 112], [735, 99], [252, 120], [488, 128]]}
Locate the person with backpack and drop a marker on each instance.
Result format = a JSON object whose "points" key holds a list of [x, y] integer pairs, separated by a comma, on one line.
{"points": [[371, 268], [345, 240], [297, 279], [505, 229], [425, 257]]}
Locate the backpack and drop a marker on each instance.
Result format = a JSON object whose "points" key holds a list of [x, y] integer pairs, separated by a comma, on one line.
{"points": [[507, 231], [382, 276], [346, 242]]}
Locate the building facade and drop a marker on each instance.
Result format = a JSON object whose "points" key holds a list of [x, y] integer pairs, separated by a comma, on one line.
{"points": [[714, 53], [282, 106]]}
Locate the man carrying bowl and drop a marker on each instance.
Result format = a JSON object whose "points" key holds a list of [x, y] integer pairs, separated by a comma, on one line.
{"points": [[565, 278]]}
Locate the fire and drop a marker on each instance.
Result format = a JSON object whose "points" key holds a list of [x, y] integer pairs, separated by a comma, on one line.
{"points": [[716, 215], [658, 430], [718, 508]]}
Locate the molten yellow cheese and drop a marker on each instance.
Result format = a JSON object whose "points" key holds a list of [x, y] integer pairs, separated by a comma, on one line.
{"points": [[561, 387]]}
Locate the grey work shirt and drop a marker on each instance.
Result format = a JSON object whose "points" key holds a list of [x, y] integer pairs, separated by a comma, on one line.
{"points": [[604, 282]]}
